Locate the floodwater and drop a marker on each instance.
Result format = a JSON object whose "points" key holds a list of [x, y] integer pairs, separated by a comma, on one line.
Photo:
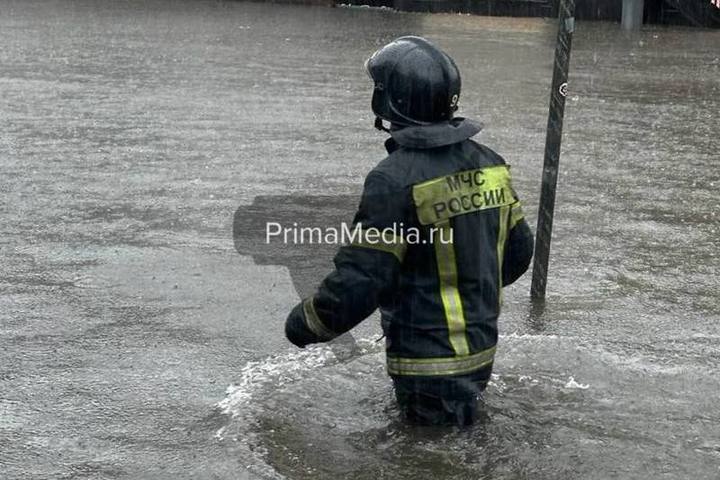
{"points": [[135, 342]]}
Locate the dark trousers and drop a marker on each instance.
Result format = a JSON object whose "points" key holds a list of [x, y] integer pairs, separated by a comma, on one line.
{"points": [[441, 400]]}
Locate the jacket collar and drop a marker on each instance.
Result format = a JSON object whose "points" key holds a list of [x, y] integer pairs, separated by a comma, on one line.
{"points": [[435, 135]]}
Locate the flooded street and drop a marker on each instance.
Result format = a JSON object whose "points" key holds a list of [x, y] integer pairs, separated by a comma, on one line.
{"points": [[136, 342]]}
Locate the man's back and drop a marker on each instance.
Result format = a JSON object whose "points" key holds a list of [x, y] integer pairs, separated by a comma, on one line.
{"points": [[440, 321], [447, 297]]}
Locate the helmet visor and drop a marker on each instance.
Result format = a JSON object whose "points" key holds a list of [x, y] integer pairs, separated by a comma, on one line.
{"points": [[368, 65]]}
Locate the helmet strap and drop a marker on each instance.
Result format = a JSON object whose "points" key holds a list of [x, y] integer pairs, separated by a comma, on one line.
{"points": [[379, 125]]}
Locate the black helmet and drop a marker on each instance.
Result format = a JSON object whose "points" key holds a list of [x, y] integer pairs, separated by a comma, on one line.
{"points": [[416, 83]]}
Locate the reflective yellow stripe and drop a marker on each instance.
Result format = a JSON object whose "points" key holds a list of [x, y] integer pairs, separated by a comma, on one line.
{"points": [[464, 192], [314, 323], [502, 236], [441, 365], [447, 271], [516, 214], [384, 242]]}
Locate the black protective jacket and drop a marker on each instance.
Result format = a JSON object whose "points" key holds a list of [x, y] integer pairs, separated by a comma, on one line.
{"points": [[453, 234]]}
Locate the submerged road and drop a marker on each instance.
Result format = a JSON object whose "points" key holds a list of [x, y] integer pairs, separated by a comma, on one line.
{"points": [[135, 342]]}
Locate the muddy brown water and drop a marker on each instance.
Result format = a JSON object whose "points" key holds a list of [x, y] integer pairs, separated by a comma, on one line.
{"points": [[135, 342]]}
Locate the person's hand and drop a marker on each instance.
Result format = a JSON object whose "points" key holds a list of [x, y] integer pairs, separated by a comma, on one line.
{"points": [[296, 330]]}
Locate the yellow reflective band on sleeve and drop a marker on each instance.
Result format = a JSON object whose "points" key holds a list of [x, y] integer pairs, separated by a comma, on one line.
{"points": [[464, 192], [516, 214], [314, 323], [502, 237], [383, 241], [441, 365], [447, 271]]}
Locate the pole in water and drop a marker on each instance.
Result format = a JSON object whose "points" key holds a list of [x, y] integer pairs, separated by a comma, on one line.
{"points": [[552, 148]]}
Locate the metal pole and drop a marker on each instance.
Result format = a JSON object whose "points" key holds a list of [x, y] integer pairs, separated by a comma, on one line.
{"points": [[552, 148], [632, 14]]}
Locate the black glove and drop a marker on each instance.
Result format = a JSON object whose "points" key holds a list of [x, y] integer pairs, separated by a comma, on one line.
{"points": [[296, 330]]}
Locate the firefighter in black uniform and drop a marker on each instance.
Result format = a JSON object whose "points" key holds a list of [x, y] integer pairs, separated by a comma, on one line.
{"points": [[439, 293]]}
